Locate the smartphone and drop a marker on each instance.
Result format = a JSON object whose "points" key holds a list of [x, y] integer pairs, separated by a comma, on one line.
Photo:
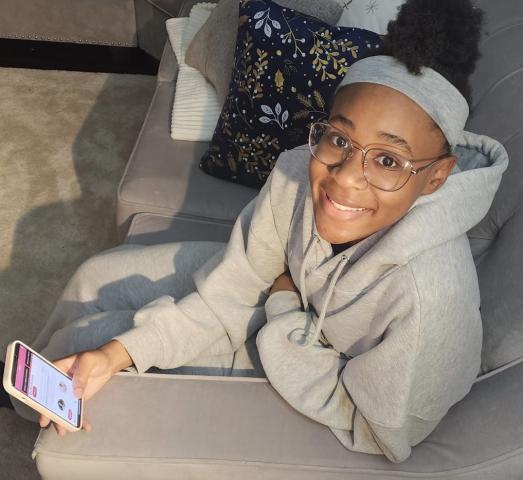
{"points": [[35, 381]]}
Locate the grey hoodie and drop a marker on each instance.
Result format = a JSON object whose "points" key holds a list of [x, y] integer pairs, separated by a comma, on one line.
{"points": [[383, 339]]}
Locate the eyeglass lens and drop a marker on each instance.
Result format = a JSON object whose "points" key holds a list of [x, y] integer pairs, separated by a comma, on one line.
{"points": [[382, 168]]}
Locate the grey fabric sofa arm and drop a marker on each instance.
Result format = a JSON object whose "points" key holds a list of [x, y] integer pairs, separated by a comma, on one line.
{"points": [[178, 427]]}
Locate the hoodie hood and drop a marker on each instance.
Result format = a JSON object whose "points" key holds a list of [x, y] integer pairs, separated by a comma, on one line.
{"points": [[457, 206]]}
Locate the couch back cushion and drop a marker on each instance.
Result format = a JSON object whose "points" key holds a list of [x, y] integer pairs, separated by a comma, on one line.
{"points": [[497, 241]]}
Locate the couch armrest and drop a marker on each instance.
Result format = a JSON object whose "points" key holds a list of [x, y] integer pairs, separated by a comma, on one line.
{"points": [[178, 427]]}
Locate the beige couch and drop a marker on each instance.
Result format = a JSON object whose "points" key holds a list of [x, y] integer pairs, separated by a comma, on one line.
{"points": [[165, 426]]}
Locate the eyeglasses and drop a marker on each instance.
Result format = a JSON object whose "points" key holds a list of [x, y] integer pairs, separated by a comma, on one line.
{"points": [[382, 168]]}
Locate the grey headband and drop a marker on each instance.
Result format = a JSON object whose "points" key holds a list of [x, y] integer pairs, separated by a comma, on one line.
{"points": [[431, 91]]}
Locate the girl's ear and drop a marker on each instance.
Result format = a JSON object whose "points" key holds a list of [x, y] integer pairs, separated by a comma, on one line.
{"points": [[439, 174]]}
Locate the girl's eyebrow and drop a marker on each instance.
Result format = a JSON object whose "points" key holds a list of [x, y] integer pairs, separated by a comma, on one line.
{"points": [[401, 142], [396, 139], [341, 118]]}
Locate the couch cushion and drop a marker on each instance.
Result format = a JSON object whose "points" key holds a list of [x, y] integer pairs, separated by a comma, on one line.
{"points": [[153, 228], [223, 428], [162, 175], [496, 241], [501, 283]]}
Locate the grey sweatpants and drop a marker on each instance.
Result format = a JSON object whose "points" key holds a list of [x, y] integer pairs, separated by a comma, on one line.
{"points": [[100, 301]]}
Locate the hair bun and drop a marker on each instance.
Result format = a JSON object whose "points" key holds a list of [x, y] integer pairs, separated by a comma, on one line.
{"points": [[440, 34]]}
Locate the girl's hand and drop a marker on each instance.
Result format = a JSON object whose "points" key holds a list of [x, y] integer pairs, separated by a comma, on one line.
{"points": [[90, 370], [283, 282]]}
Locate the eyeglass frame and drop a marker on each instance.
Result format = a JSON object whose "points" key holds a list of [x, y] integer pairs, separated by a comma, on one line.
{"points": [[365, 149]]}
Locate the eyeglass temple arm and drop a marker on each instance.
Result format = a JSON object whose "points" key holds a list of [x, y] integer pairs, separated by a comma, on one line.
{"points": [[420, 169]]}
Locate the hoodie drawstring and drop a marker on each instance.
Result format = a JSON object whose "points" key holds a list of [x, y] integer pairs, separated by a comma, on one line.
{"points": [[303, 267], [328, 295], [321, 319]]}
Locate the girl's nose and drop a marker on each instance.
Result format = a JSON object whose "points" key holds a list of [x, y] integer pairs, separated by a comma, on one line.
{"points": [[350, 173]]}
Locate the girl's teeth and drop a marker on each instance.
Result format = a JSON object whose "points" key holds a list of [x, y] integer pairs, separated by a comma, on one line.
{"points": [[346, 209]]}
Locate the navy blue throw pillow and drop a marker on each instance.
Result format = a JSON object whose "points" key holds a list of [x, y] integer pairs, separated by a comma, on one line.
{"points": [[286, 69]]}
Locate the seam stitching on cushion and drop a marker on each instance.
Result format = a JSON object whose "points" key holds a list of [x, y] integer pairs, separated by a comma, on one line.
{"points": [[513, 214], [498, 32], [512, 136], [286, 466], [501, 369], [183, 215], [200, 378], [158, 7], [496, 85]]}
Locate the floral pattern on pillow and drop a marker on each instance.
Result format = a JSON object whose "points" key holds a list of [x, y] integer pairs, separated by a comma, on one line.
{"points": [[286, 69]]}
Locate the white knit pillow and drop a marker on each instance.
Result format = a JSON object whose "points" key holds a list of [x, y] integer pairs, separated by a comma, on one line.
{"points": [[373, 15], [196, 108]]}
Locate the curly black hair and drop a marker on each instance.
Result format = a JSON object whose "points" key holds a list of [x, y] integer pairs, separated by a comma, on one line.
{"points": [[441, 34]]}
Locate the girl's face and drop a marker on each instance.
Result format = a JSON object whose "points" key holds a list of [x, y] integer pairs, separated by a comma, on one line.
{"points": [[371, 114]]}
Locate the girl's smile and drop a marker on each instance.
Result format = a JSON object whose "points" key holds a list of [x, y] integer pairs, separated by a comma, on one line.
{"points": [[341, 210]]}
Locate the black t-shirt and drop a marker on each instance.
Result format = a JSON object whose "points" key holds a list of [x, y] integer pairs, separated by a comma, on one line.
{"points": [[340, 247]]}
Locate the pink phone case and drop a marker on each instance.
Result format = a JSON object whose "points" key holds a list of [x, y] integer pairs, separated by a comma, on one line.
{"points": [[61, 393]]}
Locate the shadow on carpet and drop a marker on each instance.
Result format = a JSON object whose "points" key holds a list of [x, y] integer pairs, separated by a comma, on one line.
{"points": [[67, 137]]}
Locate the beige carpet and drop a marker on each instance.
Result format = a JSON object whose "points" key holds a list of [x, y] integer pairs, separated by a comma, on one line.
{"points": [[65, 140]]}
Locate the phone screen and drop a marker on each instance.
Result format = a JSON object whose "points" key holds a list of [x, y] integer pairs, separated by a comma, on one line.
{"points": [[46, 385]]}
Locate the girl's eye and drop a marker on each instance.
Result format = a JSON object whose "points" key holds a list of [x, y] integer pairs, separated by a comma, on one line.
{"points": [[387, 161], [338, 141]]}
